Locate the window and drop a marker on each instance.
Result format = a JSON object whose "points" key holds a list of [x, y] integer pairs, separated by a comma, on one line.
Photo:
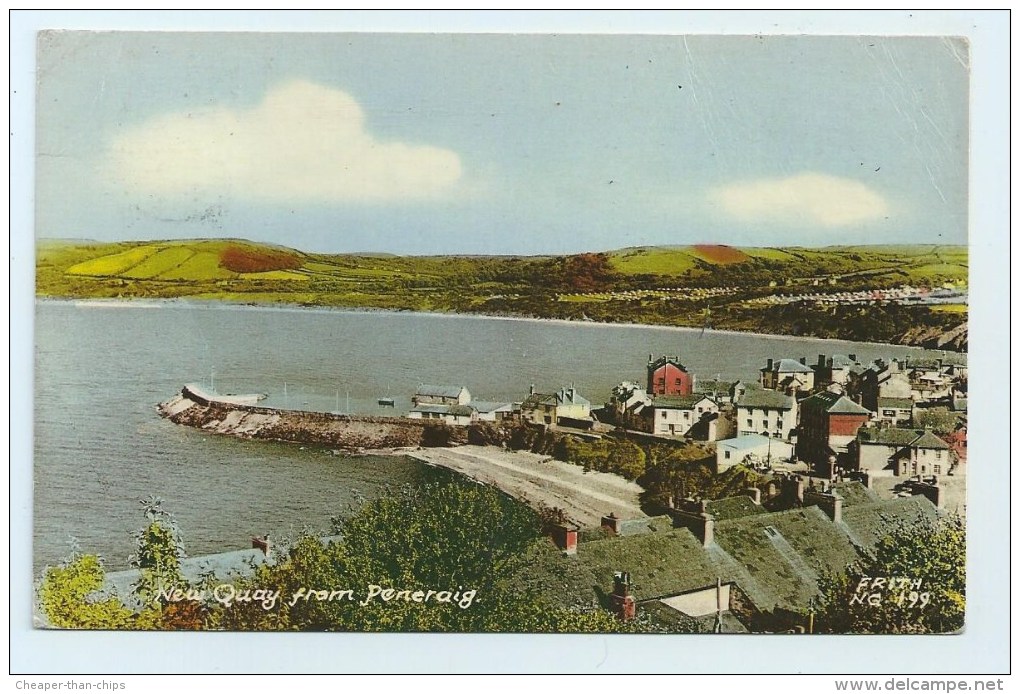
{"points": [[727, 455], [765, 423], [664, 414], [938, 454], [678, 381], [750, 423], [778, 434], [937, 469]]}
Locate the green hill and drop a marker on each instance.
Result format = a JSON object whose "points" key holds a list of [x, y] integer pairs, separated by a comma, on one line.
{"points": [[700, 285]]}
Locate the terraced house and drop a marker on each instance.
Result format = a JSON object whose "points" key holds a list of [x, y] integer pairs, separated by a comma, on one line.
{"points": [[728, 566], [891, 451], [685, 415], [766, 412]]}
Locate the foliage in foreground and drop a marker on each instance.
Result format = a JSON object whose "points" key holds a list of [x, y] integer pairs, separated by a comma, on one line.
{"points": [[923, 591], [457, 540]]}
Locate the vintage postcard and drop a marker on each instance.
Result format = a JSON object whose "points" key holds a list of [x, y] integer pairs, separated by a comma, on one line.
{"points": [[367, 332]]}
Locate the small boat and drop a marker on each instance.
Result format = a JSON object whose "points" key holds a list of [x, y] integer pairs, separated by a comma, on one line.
{"points": [[387, 402]]}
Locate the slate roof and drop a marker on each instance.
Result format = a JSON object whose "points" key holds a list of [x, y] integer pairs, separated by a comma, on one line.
{"points": [[776, 559], [439, 391], [713, 386], [833, 403], [734, 507], [929, 440], [789, 366], [771, 399], [745, 442], [867, 524], [454, 410], [570, 396], [224, 567], [484, 406], [895, 436], [841, 361], [679, 402], [854, 493]]}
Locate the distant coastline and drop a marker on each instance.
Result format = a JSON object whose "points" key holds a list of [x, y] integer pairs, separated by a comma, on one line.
{"points": [[217, 304]]}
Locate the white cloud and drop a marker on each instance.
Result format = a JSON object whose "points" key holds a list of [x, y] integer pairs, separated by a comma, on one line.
{"points": [[809, 199], [304, 142]]}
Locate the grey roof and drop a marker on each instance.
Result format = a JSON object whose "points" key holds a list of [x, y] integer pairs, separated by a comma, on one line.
{"points": [[745, 442], [929, 440], [854, 493], [439, 391], [455, 410], [485, 406], [833, 403], [841, 361], [897, 403], [776, 559], [679, 402], [867, 524], [894, 436], [733, 507], [790, 366], [764, 398], [713, 386], [570, 396]]}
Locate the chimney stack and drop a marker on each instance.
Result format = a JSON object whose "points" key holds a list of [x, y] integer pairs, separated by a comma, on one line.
{"points": [[830, 503], [564, 537], [695, 517], [624, 605], [768, 365], [611, 523]]}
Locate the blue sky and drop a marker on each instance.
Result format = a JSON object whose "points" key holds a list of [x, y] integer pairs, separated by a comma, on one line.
{"points": [[502, 144]]}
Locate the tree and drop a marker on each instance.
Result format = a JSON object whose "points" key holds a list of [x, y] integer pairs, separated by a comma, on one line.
{"points": [[923, 591], [160, 551], [461, 541], [69, 596]]}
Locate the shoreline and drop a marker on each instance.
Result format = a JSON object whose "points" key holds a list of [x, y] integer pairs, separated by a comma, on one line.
{"points": [[221, 304]]}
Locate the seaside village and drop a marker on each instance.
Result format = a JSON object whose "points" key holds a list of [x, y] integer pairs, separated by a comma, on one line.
{"points": [[853, 450], [850, 452]]}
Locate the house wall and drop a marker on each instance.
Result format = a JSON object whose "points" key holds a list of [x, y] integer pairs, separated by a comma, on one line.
{"points": [[895, 416], [767, 421], [668, 421], [669, 380], [578, 411], [701, 602], [841, 425], [874, 459], [927, 461]]}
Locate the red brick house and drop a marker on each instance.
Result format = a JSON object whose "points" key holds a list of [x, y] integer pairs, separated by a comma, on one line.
{"points": [[829, 421], [667, 376]]}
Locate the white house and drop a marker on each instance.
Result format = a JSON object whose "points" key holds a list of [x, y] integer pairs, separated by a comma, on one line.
{"points": [[766, 412], [678, 415], [751, 450]]}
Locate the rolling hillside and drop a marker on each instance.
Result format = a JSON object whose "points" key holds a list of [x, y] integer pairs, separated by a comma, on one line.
{"points": [[827, 292]]}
